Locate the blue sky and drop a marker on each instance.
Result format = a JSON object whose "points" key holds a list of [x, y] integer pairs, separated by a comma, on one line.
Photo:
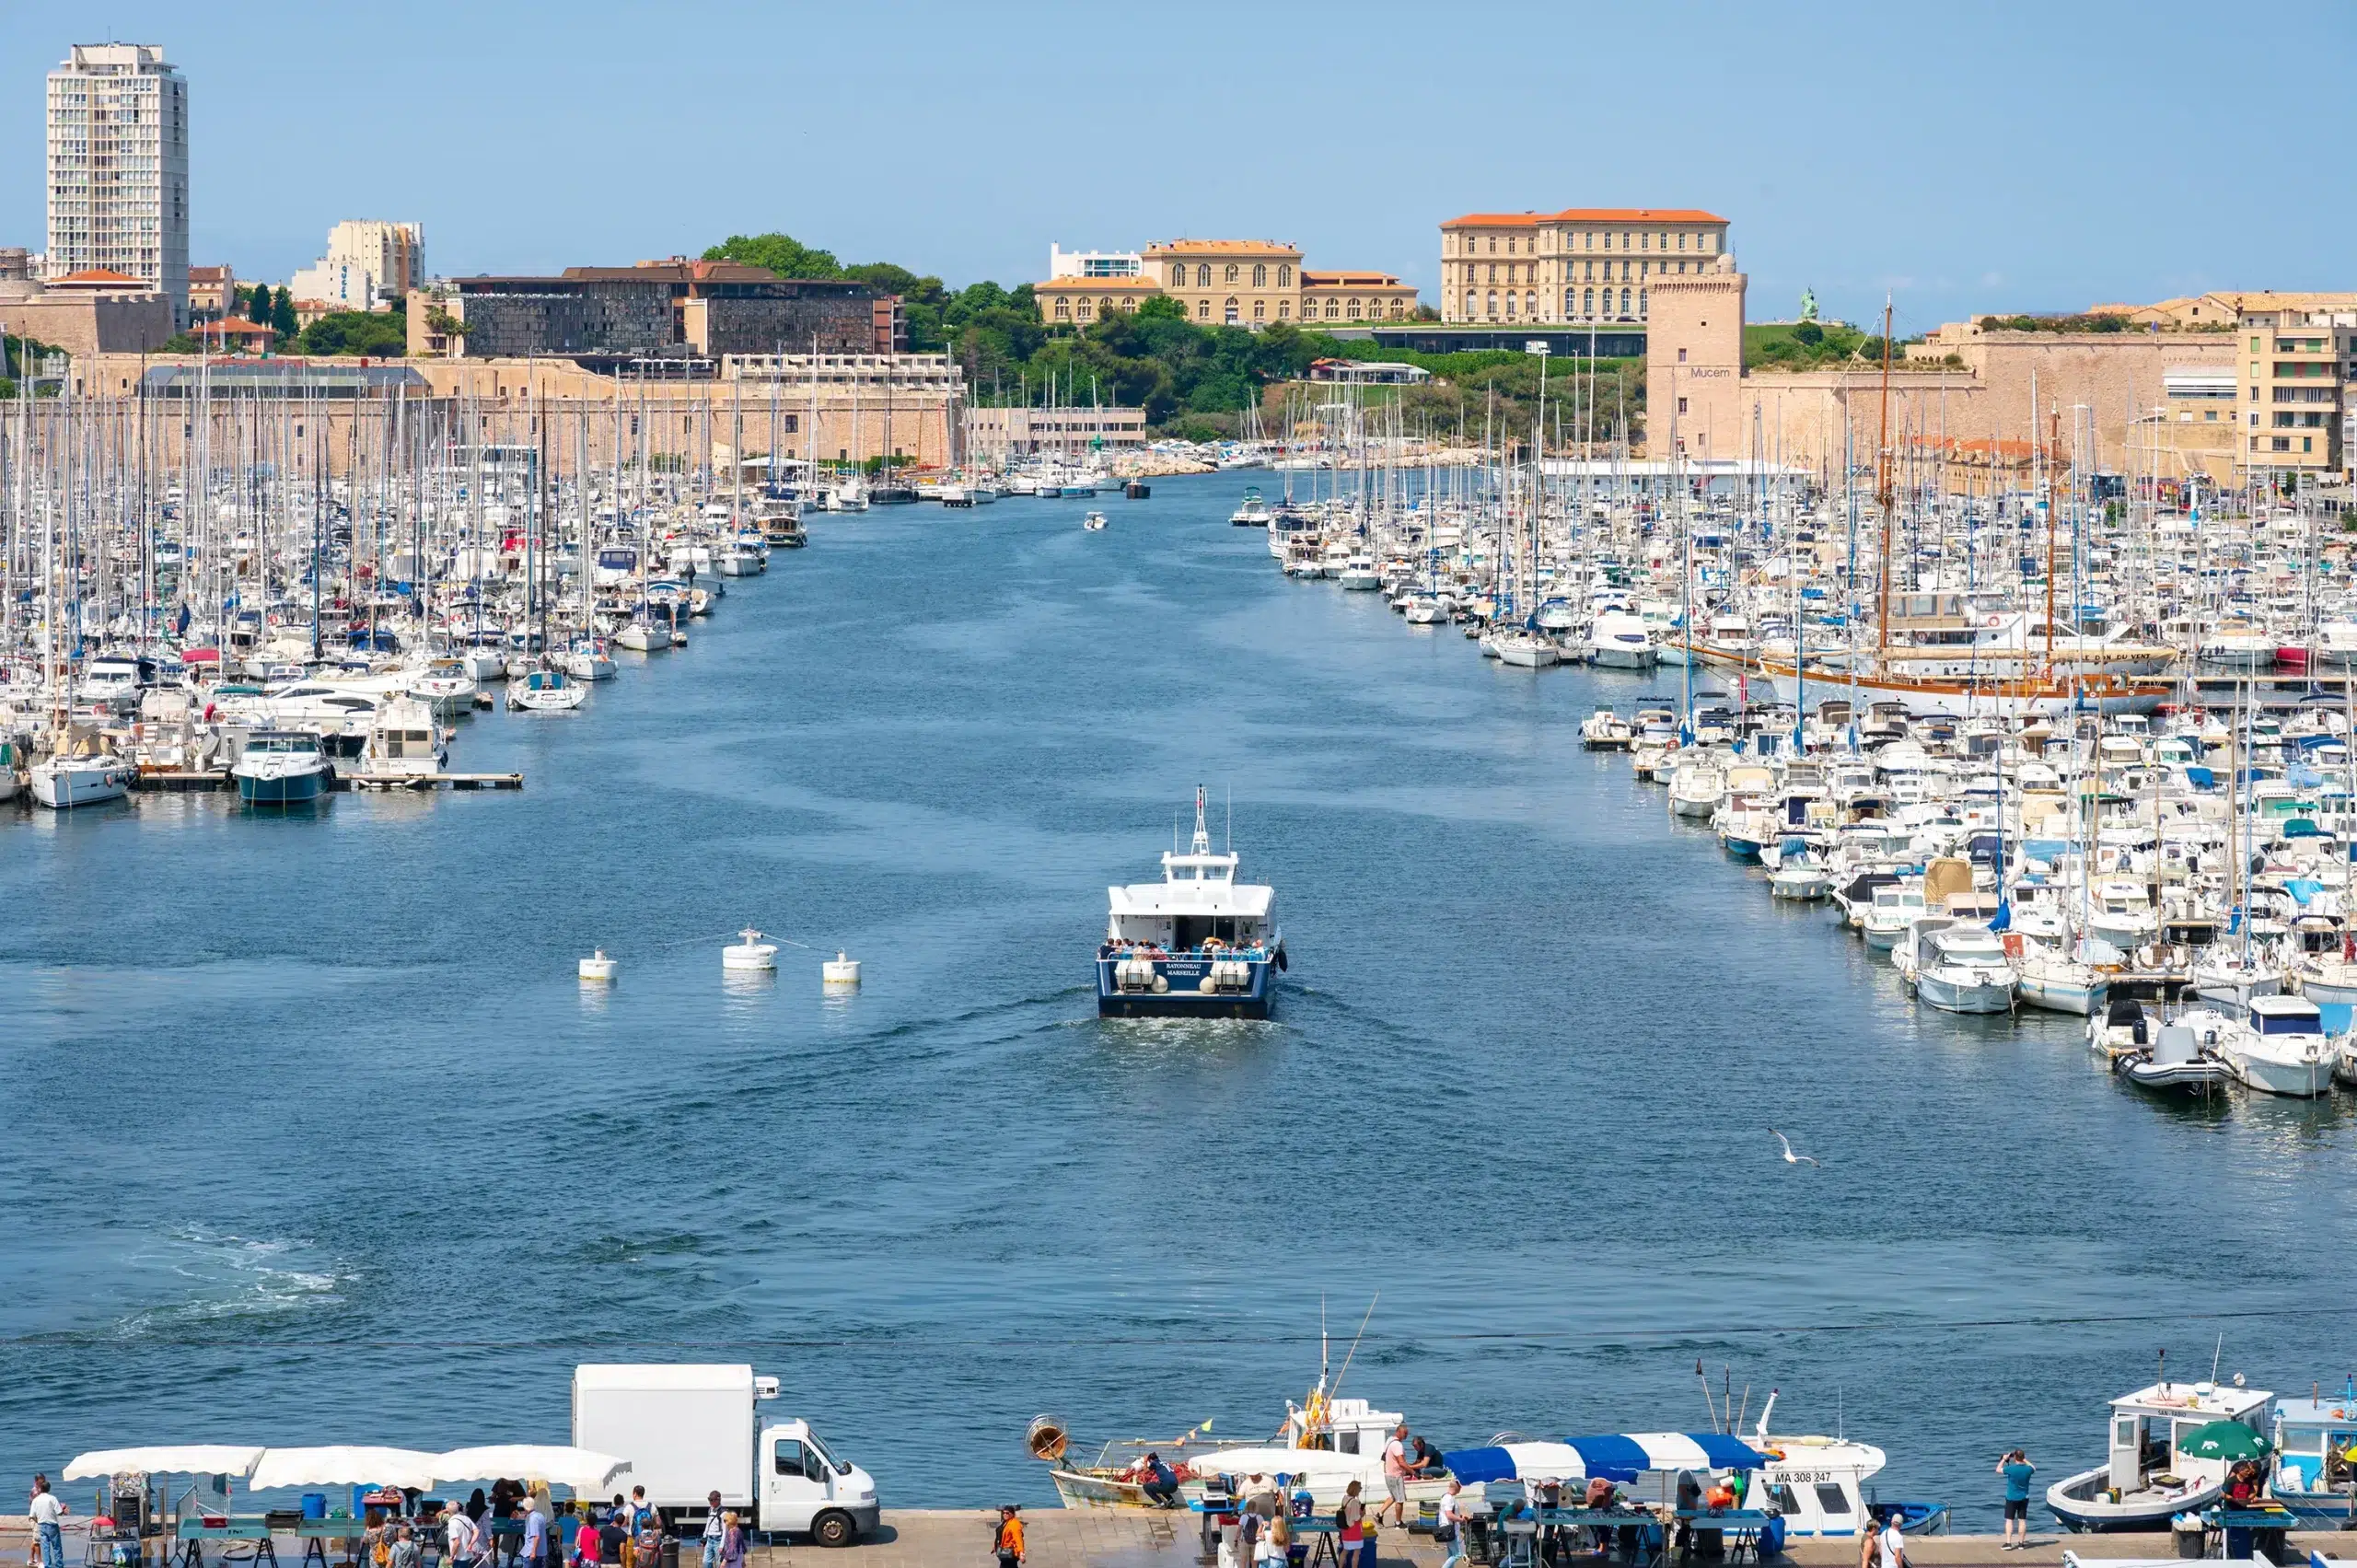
{"points": [[1967, 157]]}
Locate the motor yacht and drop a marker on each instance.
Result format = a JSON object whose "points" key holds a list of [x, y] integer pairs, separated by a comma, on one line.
{"points": [[1252, 512], [1197, 944], [1359, 574], [280, 767], [1955, 965], [1605, 730], [1622, 640]]}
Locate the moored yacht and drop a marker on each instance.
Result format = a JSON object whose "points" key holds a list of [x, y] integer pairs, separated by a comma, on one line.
{"points": [[1197, 944], [280, 767]]}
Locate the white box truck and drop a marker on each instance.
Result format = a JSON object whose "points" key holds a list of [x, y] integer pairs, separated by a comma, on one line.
{"points": [[692, 1430]]}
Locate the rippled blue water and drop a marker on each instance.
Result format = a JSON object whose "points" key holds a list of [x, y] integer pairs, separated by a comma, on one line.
{"points": [[312, 1136]]}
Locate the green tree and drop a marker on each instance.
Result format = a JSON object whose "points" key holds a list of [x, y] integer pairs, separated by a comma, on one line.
{"points": [[282, 313], [780, 254], [356, 333]]}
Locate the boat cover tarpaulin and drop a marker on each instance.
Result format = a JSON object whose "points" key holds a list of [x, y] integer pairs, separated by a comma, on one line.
{"points": [[1623, 1457]]}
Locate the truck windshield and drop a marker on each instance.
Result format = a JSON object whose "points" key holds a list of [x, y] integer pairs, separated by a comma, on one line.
{"points": [[819, 1451]]}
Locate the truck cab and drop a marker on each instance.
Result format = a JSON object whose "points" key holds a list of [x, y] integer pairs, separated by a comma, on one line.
{"points": [[806, 1489]]}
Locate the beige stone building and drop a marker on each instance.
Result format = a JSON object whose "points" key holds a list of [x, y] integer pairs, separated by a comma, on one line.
{"points": [[93, 311], [1232, 283], [827, 407], [1581, 264]]}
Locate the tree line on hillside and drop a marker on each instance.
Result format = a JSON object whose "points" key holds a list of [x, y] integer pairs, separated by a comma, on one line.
{"points": [[1195, 380]]}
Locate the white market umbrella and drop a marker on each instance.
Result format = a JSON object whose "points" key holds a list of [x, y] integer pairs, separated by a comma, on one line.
{"points": [[164, 1458], [588, 1472], [345, 1465]]}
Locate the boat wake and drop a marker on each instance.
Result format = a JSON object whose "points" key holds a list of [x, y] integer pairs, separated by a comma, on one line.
{"points": [[231, 1278]]}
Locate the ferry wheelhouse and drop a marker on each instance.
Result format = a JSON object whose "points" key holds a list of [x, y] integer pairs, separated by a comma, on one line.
{"points": [[1197, 944]]}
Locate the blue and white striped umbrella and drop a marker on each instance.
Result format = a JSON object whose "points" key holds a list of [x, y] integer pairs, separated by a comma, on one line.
{"points": [[1623, 1457]]}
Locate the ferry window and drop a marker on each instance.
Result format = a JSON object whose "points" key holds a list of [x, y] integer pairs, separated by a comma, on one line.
{"points": [[1781, 1497], [1830, 1498]]}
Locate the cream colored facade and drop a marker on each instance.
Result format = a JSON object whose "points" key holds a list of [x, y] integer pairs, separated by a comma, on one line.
{"points": [[1231, 282], [1581, 264], [118, 167], [369, 264], [2298, 355]]}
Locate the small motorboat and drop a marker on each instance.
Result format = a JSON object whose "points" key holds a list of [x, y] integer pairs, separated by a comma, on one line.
{"points": [[1094, 522], [2151, 1476], [2175, 1062]]}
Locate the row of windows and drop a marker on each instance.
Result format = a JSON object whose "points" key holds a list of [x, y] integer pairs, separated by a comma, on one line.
{"points": [[1528, 272], [2283, 444], [1233, 273], [1587, 240], [1333, 310], [1578, 305]]}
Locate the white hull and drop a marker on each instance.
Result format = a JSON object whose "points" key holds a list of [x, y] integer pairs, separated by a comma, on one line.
{"points": [[1973, 995], [2294, 1076], [67, 784]]}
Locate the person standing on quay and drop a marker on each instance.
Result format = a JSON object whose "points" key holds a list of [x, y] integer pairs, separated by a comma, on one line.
{"points": [[1008, 1543], [715, 1531], [2016, 1469], [1395, 1477], [49, 1528]]}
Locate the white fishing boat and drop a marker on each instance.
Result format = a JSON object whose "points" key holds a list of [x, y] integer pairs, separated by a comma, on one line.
{"points": [[1696, 787], [2279, 1047], [2149, 1478], [1359, 574]]}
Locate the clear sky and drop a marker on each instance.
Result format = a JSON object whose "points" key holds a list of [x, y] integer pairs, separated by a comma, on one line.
{"points": [[1969, 158]]}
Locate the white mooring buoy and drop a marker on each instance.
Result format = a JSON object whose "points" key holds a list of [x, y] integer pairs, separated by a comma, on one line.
{"points": [[839, 970], [596, 966], [749, 953]]}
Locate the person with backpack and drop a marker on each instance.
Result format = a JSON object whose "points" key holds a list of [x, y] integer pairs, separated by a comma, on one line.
{"points": [[715, 1530], [1007, 1543]]}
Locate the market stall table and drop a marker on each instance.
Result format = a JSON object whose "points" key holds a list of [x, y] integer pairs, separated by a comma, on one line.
{"points": [[194, 1533]]}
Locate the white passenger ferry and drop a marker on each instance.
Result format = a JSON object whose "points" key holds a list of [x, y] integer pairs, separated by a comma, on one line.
{"points": [[1197, 944]]}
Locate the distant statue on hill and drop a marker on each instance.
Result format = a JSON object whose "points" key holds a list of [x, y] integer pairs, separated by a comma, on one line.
{"points": [[1808, 305]]}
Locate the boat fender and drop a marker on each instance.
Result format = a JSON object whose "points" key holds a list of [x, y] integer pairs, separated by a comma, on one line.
{"points": [[1281, 959]]}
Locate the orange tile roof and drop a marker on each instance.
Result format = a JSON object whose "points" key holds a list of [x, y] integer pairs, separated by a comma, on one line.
{"points": [[1100, 285], [97, 275], [1584, 214]]}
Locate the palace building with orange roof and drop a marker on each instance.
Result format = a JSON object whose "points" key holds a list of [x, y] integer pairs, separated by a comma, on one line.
{"points": [[1579, 264], [1232, 283]]}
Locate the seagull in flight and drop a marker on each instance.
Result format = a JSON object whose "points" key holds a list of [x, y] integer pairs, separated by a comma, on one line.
{"points": [[1790, 1157]]}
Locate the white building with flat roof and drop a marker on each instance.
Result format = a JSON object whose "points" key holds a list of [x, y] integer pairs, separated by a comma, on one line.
{"points": [[118, 167], [1063, 263]]}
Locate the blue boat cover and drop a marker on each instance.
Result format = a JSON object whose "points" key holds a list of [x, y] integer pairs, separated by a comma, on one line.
{"points": [[1620, 1456]]}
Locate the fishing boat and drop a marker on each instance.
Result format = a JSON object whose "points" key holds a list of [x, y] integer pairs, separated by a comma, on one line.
{"points": [[280, 767], [2311, 1473], [1197, 944], [2279, 1047], [2151, 1477]]}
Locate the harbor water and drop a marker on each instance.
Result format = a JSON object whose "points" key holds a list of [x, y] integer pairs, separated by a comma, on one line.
{"points": [[314, 1136]]}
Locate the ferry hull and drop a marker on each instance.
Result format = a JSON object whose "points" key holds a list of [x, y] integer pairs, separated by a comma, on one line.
{"points": [[282, 789], [1189, 992]]}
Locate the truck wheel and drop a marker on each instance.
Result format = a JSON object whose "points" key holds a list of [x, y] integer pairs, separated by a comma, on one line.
{"points": [[833, 1528]]}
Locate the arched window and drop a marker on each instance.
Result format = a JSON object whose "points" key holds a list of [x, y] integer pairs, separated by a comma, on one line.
{"points": [[1284, 310], [1493, 305], [1530, 305], [1063, 306], [1624, 302], [1259, 309], [1231, 274], [1641, 305], [1571, 303], [1204, 276], [1179, 276], [1128, 303], [1203, 310], [1588, 303], [1260, 274], [1230, 317], [1509, 304], [1355, 310], [1082, 310], [1334, 308], [1284, 276]]}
